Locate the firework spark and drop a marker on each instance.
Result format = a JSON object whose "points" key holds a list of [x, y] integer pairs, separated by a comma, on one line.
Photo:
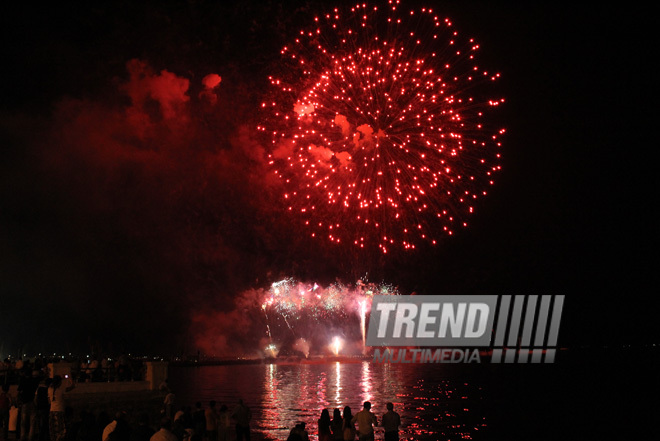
{"points": [[378, 127], [309, 312], [336, 345]]}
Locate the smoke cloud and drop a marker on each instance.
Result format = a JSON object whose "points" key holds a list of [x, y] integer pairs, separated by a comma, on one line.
{"points": [[138, 205], [151, 205]]}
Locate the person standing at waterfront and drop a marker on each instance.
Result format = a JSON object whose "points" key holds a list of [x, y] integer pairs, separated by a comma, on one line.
{"points": [[336, 426], [5, 405], [165, 433], [242, 414], [56, 420], [120, 431], [348, 427], [168, 404], [391, 422], [324, 426], [179, 414], [27, 386], [179, 429], [366, 421], [110, 427], [224, 423], [199, 422], [164, 386], [41, 409], [298, 433], [211, 417]]}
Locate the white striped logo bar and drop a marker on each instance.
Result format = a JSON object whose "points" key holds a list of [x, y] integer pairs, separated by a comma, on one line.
{"points": [[530, 327], [518, 329]]}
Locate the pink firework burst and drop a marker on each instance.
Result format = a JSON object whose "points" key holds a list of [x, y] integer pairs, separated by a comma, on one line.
{"points": [[378, 127]]}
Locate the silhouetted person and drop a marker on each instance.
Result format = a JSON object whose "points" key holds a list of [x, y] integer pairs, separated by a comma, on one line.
{"points": [[5, 405], [366, 422], [348, 427], [27, 386], [224, 423], [242, 415], [298, 433], [391, 422], [102, 420], [107, 430], [186, 418], [119, 431], [179, 414], [211, 417], [164, 386], [142, 432], [178, 429], [56, 418], [324, 426], [168, 404], [336, 426], [199, 422], [41, 409], [165, 432], [294, 435]]}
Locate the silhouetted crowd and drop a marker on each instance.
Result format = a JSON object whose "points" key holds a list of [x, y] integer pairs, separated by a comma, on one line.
{"points": [[40, 413], [47, 417], [36, 410], [88, 369], [205, 423], [349, 427]]}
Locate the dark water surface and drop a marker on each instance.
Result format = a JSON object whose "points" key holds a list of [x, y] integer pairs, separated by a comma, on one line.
{"points": [[581, 396]]}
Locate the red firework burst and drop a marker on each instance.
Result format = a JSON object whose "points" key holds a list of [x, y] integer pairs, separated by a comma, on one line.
{"points": [[378, 127]]}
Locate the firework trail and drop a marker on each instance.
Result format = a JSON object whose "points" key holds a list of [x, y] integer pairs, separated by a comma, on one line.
{"points": [[378, 128]]}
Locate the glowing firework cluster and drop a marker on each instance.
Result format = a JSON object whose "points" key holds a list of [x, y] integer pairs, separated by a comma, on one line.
{"points": [[311, 317], [378, 126]]}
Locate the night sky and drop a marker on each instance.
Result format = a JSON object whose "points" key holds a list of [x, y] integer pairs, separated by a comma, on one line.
{"points": [[123, 215]]}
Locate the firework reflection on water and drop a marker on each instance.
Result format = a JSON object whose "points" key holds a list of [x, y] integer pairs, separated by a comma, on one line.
{"points": [[433, 402]]}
